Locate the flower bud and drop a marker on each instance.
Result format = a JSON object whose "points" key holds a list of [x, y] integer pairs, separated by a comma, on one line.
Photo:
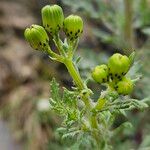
{"points": [[73, 27], [52, 17], [37, 37], [100, 74], [125, 86], [118, 66]]}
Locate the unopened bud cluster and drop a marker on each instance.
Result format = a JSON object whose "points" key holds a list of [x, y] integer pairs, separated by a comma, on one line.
{"points": [[53, 21], [114, 74]]}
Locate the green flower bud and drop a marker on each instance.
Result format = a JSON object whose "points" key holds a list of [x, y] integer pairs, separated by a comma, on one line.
{"points": [[73, 27], [52, 17], [100, 74], [125, 86], [118, 66], [37, 37]]}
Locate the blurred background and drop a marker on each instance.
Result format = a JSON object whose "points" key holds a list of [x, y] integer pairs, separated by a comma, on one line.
{"points": [[110, 26]]}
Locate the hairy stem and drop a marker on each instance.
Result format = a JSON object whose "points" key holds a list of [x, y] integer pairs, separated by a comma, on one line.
{"points": [[54, 55], [58, 44], [67, 60], [74, 74], [77, 79], [79, 82]]}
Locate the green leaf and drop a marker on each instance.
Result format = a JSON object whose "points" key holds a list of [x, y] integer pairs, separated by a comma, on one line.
{"points": [[61, 130], [69, 98], [70, 134], [139, 104], [131, 58], [125, 125], [56, 100], [134, 70], [55, 92], [78, 59]]}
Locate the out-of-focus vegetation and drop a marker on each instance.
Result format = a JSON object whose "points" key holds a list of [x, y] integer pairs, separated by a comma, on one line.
{"points": [[110, 26]]}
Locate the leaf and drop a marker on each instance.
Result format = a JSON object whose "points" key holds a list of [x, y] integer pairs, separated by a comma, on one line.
{"points": [[56, 103], [131, 58], [70, 134], [123, 112], [134, 70], [61, 130], [125, 125], [146, 100], [139, 104], [69, 97], [78, 59], [55, 92]]}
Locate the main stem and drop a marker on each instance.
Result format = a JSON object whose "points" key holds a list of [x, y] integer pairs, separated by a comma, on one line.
{"points": [[80, 84], [77, 79]]}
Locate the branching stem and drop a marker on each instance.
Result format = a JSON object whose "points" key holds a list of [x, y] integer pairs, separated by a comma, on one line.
{"points": [[66, 59], [77, 79], [58, 44], [54, 56]]}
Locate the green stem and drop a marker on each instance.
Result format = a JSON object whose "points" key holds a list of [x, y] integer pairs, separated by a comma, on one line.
{"points": [[58, 44], [74, 45], [53, 55], [86, 99], [74, 74], [80, 84], [128, 28], [94, 121]]}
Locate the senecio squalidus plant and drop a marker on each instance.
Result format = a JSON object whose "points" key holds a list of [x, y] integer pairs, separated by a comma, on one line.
{"points": [[85, 119]]}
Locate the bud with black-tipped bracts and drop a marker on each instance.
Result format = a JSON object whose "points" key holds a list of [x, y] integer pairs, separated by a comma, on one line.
{"points": [[118, 66], [37, 37], [100, 74], [52, 17], [73, 27], [125, 86]]}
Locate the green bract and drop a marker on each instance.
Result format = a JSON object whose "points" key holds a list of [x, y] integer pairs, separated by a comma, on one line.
{"points": [[100, 74], [118, 65], [125, 86], [37, 37], [52, 17], [73, 26]]}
